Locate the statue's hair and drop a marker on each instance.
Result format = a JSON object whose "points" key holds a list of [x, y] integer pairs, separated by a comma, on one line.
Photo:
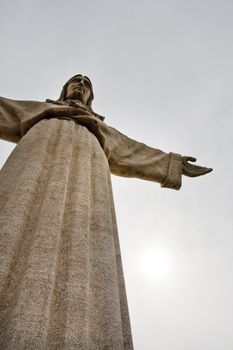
{"points": [[64, 90]]}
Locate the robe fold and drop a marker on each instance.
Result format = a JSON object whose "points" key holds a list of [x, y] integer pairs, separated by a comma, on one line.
{"points": [[61, 277]]}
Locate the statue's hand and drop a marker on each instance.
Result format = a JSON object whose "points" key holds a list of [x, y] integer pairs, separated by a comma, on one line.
{"points": [[193, 170]]}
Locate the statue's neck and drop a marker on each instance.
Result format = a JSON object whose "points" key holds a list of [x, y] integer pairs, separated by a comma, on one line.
{"points": [[76, 102]]}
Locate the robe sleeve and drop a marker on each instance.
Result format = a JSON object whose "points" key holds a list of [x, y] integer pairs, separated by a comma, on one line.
{"points": [[130, 158]]}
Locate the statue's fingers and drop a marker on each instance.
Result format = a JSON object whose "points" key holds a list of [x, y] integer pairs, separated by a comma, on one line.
{"points": [[198, 171], [191, 159], [193, 170], [203, 168], [207, 170]]}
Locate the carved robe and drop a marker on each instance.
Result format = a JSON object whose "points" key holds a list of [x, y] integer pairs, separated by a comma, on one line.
{"points": [[62, 284]]}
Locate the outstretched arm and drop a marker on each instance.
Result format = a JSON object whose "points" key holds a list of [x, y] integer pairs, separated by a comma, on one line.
{"points": [[130, 158]]}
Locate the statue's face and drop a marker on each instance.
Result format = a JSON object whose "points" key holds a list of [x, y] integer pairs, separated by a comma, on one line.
{"points": [[79, 89]]}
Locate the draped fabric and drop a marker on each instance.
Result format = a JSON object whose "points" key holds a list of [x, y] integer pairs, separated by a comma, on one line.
{"points": [[62, 284], [60, 262]]}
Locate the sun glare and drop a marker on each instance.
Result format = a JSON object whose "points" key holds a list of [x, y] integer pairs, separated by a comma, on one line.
{"points": [[156, 263]]}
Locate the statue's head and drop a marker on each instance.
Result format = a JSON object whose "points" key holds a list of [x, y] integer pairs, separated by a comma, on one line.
{"points": [[79, 87]]}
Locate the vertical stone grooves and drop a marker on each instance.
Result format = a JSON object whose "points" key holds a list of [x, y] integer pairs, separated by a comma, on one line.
{"points": [[65, 287], [118, 266], [59, 233], [94, 314], [68, 310], [88, 299], [125, 322], [105, 320], [80, 198], [28, 250], [46, 231], [13, 232]]}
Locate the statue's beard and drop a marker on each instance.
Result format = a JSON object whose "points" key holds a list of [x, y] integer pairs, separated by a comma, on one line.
{"points": [[76, 95]]}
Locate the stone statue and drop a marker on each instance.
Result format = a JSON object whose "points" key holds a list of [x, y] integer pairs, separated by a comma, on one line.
{"points": [[62, 284]]}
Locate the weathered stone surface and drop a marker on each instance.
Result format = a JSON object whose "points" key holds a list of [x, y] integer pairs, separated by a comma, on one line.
{"points": [[61, 278], [61, 274]]}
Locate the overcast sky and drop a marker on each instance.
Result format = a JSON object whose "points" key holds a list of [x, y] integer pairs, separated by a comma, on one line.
{"points": [[163, 74]]}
